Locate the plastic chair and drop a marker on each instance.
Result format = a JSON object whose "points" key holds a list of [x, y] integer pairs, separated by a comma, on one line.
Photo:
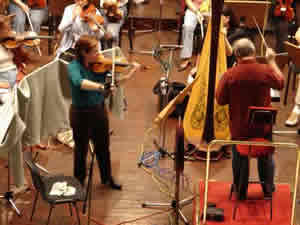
{"points": [[261, 120], [43, 185]]}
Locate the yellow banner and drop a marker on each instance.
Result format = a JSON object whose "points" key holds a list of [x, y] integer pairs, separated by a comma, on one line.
{"points": [[195, 115]]}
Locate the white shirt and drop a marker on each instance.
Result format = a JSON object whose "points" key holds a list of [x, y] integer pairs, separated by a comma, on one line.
{"points": [[73, 29]]}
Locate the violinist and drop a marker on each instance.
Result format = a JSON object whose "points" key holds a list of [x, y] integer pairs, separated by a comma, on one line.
{"points": [[74, 24], [88, 114], [36, 10], [115, 13], [10, 59], [195, 13], [293, 118]]}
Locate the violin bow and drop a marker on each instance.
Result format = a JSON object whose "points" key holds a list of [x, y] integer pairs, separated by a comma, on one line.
{"points": [[31, 27], [113, 66], [260, 33]]}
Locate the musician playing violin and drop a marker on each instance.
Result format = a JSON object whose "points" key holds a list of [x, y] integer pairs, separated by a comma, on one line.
{"points": [[194, 14], [36, 10], [75, 23], [115, 13], [10, 59], [88, 114]]}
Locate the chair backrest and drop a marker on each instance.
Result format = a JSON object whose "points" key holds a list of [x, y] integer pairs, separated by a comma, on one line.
{"points": [[261, 120], [34, 171]]}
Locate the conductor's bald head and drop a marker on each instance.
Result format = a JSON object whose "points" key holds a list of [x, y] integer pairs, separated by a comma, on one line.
{"points": [[244, 48]]}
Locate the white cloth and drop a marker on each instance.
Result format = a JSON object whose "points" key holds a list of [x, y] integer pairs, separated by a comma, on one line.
{"points": [[62, 189], [45, 111]]}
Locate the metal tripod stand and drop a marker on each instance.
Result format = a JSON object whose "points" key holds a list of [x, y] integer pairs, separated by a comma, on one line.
{"points": [[176, 204], [8, 196], [88, 195]]}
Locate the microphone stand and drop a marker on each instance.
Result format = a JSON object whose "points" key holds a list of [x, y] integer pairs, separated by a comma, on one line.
{"points": [[165, 89], [176, 204]]}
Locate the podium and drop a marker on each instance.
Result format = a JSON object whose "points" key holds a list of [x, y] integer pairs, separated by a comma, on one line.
{"points": [[294, 56]]}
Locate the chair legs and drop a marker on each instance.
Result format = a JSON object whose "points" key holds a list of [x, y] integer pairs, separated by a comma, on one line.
{"points": [[50, 212], [237, 202], [77, 213], [34, 205], [70, 207]]}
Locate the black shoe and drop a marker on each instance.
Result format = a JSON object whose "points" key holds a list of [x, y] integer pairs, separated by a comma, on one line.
{"points": [[114, 185]]}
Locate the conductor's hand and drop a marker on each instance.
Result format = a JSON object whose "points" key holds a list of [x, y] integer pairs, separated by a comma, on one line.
{"points": [[270, 55]]}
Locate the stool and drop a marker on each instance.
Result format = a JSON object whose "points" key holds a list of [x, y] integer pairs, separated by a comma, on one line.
{"points": [[260, 120]]}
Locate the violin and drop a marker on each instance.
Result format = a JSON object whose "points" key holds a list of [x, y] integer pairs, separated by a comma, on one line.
{"points": [[103, 64], [40, 4], [283, 8], [89, 15], [30, 41], [112, 11]]}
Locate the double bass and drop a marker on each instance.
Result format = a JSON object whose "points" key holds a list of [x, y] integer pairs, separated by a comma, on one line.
{"points": [[284, 8]]}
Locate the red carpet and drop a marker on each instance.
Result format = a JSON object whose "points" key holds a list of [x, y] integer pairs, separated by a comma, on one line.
{"points": [[250, 212]]}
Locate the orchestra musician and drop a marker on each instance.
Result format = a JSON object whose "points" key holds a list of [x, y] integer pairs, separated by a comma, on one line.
{"points": [[10, 59], [88, 114], [74, 24], [36, 10], [293, 118], [115, 13], [282, 13], [236, 90], [195, 12]]}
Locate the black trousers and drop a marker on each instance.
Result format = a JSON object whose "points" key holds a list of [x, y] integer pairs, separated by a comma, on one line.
{"points": [[240, 168], [91, 124]]}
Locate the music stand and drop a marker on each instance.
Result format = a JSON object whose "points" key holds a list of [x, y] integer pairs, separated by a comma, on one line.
{"points": [[294, 56], [245, 10]]}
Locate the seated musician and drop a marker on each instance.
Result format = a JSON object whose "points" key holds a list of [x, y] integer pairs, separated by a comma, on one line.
{"points": [[88, 114], [36, 9], [75, 23], [8, 57], [236, 90], [196, 11], [294, 116], [115, 13]]}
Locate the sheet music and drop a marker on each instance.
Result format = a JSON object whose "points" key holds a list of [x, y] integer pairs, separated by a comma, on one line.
{"points": [[6, 114]]}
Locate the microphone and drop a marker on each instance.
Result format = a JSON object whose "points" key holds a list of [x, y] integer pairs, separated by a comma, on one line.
{"points": [[179, 148]]}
